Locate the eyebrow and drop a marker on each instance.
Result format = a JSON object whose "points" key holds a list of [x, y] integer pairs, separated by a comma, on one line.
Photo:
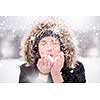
{"points": [[52, 40]]}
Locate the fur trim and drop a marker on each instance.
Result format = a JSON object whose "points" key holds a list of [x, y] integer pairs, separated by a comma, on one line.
{"points": [[58, 26]]}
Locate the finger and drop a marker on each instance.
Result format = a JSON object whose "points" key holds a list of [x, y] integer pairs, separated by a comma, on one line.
{"points": [[38, 63], [47, 63], [61, 54], [59, 61]]}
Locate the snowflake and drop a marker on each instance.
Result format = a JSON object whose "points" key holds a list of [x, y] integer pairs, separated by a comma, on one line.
{"points": [[96, 34], [69, 38], [80, 40], [94, 28], [13, 31], [3, 22]]}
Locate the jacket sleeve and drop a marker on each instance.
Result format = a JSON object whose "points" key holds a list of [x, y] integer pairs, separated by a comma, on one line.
{"points": [[22, 76], [79, 75], [76, 75]]}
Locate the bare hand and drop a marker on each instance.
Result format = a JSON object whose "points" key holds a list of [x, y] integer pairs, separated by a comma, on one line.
{"points": [[58, 63], [44, 65], [56, 68]]}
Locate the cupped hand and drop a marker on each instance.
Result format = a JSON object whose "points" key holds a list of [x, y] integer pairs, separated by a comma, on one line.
{"points": [[58, 63], [44, 64]]}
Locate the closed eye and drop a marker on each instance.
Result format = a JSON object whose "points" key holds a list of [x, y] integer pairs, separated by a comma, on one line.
{"points": [[43, 42]]}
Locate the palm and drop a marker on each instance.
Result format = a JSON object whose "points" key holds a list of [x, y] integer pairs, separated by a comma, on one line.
{"points": [[58, 63]]}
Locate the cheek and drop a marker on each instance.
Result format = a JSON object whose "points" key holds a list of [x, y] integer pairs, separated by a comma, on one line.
{"points": [[56, 51]]}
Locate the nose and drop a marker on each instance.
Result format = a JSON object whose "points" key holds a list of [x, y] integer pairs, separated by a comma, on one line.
{"points": [[49, 47]]}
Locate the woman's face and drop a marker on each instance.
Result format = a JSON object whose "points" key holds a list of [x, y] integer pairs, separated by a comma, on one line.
{"points": [[49, 46]]}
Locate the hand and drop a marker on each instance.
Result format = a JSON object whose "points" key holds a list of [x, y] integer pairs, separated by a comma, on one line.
{"points": [[44, 65], [58, 63], [56, 68]]}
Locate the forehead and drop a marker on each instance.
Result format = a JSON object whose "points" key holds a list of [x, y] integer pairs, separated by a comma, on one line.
{"points": [[49, 38]]}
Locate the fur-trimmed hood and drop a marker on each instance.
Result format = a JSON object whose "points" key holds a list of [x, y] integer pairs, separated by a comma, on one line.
{"points": [[58, 26]]}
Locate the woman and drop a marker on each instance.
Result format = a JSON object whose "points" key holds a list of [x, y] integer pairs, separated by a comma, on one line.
{"points": [[51, 55]]}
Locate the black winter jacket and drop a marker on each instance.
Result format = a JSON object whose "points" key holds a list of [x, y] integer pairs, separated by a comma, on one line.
{"points": [[76, 75]]}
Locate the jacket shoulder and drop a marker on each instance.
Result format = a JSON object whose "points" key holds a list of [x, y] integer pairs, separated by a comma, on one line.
{"points": [[79, 66], [24, 65]]}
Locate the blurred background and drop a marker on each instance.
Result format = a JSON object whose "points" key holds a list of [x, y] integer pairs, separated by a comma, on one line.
{"points": [[13, 28]]}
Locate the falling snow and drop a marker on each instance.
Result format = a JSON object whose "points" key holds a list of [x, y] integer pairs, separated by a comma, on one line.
{"points": [[13, 31], [86, 29], [96, 34], [94, 28]]}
